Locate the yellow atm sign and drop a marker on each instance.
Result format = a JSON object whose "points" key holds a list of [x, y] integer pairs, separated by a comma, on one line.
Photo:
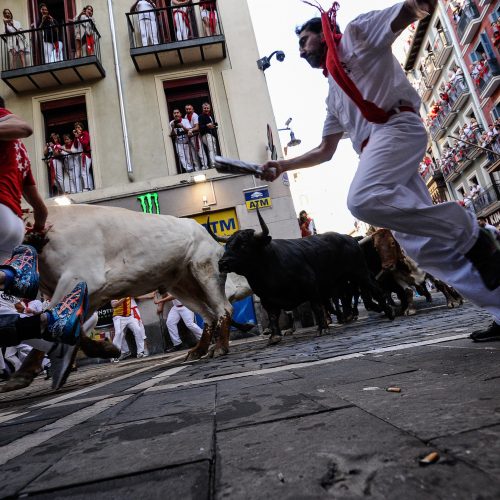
{"points": [[257, 198], [222, 222]]}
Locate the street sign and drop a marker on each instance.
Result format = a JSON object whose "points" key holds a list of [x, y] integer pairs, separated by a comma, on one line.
{"points": [[257, 198]]}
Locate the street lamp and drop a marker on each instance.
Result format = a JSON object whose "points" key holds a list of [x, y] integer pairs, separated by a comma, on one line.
{"points": [[293, 140], [264, 62]]}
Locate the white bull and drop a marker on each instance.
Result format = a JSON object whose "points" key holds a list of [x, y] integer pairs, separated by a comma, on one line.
{"points": [[118, 253]]}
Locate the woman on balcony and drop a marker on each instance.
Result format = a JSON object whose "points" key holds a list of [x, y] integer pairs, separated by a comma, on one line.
{"points": [[53, 49], [52, 154], [209, 17], [147, 21], [182, 21], [82, 141], [72, 161], [84, 33], [16, 41]]}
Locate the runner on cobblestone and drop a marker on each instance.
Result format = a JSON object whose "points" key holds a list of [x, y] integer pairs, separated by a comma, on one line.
{"points": [[371, 100]]}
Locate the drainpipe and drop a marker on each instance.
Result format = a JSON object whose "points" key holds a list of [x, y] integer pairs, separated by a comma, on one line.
{"points": [[130, 170], [463, 65]]}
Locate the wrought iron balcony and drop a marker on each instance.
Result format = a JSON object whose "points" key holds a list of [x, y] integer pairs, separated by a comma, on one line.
{"points": [[469, 22], [487, 201], [68, 173], [431, 70], [41, 58], [490, 80], [459, 93], [442, 47], [174, 36]]}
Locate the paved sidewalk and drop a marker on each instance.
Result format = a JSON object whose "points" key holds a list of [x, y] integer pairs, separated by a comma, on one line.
{"points": [[310, 418]]}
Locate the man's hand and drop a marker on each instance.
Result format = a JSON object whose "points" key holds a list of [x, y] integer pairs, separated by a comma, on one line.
{"points": [[271, 170]]}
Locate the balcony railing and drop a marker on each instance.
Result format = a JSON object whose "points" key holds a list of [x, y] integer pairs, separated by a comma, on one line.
{"points": [[196, 152], [458, 93], [490, 79], [431, 172], [69, 173], [441, 47], [431, 70], [53, 56], [175, 35], [482, 202], [469, 22], [424, 91]]}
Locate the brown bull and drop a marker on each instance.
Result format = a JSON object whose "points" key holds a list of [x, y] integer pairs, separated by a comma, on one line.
{"points": [[406, 272]]}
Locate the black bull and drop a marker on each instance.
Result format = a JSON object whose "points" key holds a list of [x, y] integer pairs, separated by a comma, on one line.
{"points": [[286, 273]]}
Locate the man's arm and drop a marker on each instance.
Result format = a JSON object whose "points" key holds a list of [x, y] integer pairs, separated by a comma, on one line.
{"points": [[167, 298], [410, 12], [33, 197], [320, 154], [13, 127]]}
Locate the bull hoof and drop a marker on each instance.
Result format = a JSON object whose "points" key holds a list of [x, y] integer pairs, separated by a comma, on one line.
{"points": [[452, 304], [18, 381], [410, 312], [217, 352], [194, 354], [274, 339]]}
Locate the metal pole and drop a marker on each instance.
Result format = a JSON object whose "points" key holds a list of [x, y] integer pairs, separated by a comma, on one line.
{"points": [[475, 145], [130, 170]]}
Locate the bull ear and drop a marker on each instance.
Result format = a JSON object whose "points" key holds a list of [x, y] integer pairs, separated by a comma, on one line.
{"points": [[265, 229], [219, 239]]}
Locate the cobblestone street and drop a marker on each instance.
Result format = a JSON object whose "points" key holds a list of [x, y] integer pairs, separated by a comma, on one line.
{"points": [[309, 418]]}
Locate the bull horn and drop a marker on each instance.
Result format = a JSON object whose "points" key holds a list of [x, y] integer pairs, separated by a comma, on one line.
{"points": [[366, 239], [265, 229], [219, 239]]}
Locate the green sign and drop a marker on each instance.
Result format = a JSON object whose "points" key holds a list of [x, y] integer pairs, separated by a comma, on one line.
{"points": [[149, 203]]}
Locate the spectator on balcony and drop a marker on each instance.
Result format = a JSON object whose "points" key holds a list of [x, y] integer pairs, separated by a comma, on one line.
{"points": [[180, 129], [72, 160], [148, 24], [53, 157], [444, 97], [17, 44], [208, 131], [197, 150], [82, 138], [53, 49], [208, 13], [182, 21], [84, 32]]}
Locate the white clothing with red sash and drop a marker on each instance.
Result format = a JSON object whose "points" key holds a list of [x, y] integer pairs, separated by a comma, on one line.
{"points": [[178, 312], [208, 14], [82, 142], [126, 318], [387, 190], [182, 23]]}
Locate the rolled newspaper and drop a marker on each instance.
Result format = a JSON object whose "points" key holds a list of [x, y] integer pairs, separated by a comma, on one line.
{"points": [[230, 166]]}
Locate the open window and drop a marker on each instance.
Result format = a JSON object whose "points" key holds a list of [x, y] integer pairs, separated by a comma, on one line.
{"points": [[196, 151], [67, 152]]}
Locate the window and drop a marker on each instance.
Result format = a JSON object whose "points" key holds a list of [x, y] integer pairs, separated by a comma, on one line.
{"points": [[461, 192], [196, 151], [67, 152]]}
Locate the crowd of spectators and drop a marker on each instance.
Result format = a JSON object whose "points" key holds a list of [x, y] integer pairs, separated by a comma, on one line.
{"points": [[69, 162], [50, 38]]}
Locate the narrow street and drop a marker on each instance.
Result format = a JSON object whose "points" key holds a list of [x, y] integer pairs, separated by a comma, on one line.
{"points": [[310, 418]]}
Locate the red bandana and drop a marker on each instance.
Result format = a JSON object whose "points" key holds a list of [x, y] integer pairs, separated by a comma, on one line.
{"points": [[369, 110]]}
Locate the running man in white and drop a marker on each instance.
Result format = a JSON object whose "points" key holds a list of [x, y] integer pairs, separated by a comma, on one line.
{"points": [[125, 316], [178, 312], [372, 101]]}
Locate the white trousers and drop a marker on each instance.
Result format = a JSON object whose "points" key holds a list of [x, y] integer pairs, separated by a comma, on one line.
{"points": [[387, 191], [184, 153], [120, 323], [51, 54], [11, 232], [181, 22], [174, 316], [209, 141], [149, 29]]}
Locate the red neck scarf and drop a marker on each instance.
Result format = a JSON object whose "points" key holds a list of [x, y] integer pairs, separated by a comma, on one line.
{"points": [[368, 109]]}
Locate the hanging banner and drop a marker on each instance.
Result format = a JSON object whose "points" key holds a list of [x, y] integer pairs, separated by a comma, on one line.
{"points": [[257, 198]]}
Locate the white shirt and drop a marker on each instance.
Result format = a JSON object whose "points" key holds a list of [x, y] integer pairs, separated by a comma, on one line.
{"points": [[181, 134], [177, 303], [194, 120], [365, 51]]}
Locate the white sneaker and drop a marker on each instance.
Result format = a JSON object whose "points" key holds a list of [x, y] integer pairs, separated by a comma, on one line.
{"points": [[140, 355]]}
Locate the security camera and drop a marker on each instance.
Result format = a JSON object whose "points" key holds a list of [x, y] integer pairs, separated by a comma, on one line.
{"points": [[280, 55], [288, 122]]}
